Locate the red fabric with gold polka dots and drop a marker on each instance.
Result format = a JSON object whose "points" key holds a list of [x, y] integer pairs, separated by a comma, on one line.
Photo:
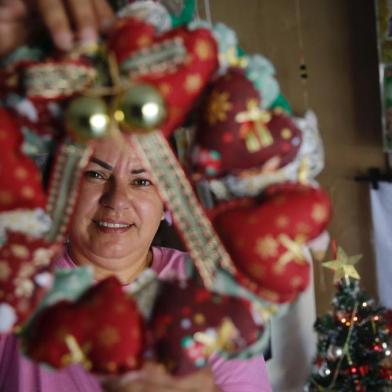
{"points": [[180, 75], [21, 259], [265, 238], [102, 331], [186, 310], [20, 180], [236, 134]]}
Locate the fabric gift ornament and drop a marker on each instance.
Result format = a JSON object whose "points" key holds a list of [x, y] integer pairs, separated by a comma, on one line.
{"points": [[23, 259], [307, 164], [190, 323], [234, 134], [102, 330], [20, 180], [265, 238], [177, 63]]}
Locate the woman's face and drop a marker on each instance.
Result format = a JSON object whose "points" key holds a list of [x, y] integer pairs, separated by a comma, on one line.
{"points": [[118, 210]]}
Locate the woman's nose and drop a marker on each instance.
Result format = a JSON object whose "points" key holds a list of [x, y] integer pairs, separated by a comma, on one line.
{"points": [[116, 196]]}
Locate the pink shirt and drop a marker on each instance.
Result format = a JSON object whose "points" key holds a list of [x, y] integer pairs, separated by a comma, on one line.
{"points": [[18, 374]]}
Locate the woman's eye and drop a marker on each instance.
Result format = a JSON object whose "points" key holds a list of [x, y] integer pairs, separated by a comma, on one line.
{"points": [[141, 182], [93, 174]]}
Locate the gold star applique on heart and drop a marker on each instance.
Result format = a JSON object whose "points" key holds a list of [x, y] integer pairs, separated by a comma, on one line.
{"points": [[343, 265]]}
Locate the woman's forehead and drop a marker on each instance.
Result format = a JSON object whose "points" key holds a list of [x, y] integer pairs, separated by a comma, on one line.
{"points": [[113, 151]]}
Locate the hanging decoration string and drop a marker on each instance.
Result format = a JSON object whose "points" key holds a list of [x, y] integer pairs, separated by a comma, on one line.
{"points": [[303, 67], [207, 10]]}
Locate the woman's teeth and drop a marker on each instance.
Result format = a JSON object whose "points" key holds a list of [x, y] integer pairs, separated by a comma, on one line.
{"points": [[112, 225]]}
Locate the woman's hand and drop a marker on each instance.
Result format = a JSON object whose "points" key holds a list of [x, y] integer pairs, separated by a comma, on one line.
{"points": [[66, 20], [154, 378]]}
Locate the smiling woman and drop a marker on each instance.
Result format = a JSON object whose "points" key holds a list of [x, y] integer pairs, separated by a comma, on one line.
{"points": [[117, 215]]}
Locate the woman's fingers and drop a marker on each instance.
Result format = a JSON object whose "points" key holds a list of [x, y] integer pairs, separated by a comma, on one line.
{"points": [[67, 21], [74, 20], [12, 35], [56, 19], [84, 19], [105, 14], [12, 10]]}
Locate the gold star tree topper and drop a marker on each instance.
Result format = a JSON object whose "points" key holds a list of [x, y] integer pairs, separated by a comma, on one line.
{"points": [[343, 265]]}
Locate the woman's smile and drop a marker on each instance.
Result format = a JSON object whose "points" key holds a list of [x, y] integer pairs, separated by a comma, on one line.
{"points": [[112, 227]]}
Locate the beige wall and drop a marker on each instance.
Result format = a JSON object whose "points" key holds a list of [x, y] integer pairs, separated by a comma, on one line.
{"points": [[340, 50]]}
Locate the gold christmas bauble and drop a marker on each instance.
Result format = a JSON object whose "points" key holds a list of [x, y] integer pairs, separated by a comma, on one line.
{"points": [[140, 108], [87, 118]]}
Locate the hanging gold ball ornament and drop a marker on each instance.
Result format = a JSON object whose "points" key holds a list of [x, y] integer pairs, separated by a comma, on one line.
{"points": [[87, 118], [140, 108]]}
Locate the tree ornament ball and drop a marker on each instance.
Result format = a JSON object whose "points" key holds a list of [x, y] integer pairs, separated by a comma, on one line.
{"points": [[140, 108], [334, 352], [87, 118], [324, 370]]}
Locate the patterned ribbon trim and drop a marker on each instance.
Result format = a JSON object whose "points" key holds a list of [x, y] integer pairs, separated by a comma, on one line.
{"points": [[76, 353], [160, 57], [194, 226], [64, 188], [53, 80]]}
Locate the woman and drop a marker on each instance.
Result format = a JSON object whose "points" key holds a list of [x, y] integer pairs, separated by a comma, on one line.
{"points": [[116, 218]]}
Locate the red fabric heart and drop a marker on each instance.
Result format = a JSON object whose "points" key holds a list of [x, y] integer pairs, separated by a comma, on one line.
{"points": [[104, 323], [180, 77], [234, 131], [21, 259], [184, 309], [20, 181], [264, 238]]}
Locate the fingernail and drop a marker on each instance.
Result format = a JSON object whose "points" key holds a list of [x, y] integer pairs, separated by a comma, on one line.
{"points": [[129, 377], [63, 40], [106, 24], [88, 35]]}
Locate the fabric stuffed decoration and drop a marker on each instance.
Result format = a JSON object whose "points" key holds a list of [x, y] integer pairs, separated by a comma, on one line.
{"points": [[177, 63], [190, 323], [115, 347], [307, 164], [234, 134], [265, 238], [23, 259], [20, 180]]}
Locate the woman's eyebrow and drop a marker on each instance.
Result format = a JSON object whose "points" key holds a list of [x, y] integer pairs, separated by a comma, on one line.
{"points": [[138, 171], [101, 163]]}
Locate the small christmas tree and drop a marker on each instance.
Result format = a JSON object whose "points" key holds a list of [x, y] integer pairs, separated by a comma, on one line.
{"points": [[354, 351]]}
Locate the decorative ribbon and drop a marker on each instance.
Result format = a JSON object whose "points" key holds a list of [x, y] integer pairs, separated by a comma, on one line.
{"points": [[163, 56], [221, 341], [76, 353], [64, 188], [294, 252], [53, 80], [194, 226], [256, 134]]}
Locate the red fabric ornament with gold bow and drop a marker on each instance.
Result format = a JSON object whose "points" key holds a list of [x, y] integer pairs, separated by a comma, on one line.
{"points": [[265, 238], [178, 63], [102, 331], [20, 180], [190, 323], [22, 259], [233, 128]]}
